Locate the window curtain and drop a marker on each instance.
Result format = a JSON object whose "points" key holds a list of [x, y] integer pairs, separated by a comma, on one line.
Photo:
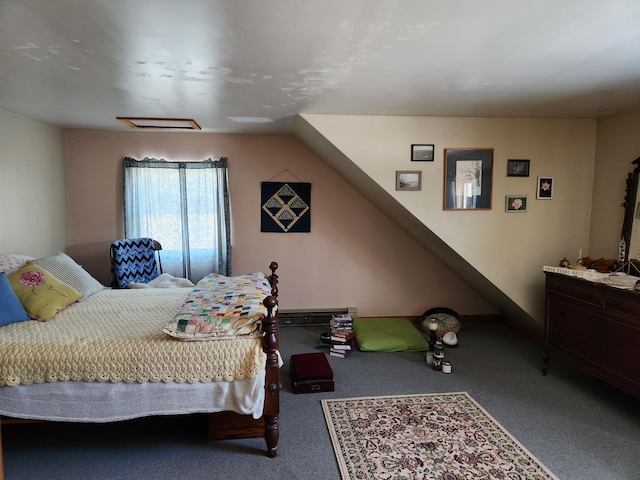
{"points": [[185, 207]]}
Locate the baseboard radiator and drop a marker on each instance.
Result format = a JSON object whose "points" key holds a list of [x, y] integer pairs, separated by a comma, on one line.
{"points": [[315, 316]]}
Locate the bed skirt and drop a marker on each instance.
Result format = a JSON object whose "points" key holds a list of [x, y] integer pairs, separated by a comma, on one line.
{"points": [[99, 402]]}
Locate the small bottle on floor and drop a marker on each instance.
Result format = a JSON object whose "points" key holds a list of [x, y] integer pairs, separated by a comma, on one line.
{"points": [[438, 356], [433, 335]]}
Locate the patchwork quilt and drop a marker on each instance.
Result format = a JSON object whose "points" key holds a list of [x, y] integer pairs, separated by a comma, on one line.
{"points": [[221, 307]]}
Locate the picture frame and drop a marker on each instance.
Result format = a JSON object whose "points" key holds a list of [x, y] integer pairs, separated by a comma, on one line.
{"points": [[545, 188], [518, 168], [468, 178], [409, 180], [422, 152], [515, 203]]}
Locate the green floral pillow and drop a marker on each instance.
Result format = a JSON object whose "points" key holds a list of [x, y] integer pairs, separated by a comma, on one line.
{"points": [[41, 294]]}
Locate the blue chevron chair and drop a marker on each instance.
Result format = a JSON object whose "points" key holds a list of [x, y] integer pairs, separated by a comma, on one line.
{"points": [[134, 260]]}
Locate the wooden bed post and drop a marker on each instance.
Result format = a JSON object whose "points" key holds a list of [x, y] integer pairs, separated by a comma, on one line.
{"points": [[226, 425], [272, 378]]}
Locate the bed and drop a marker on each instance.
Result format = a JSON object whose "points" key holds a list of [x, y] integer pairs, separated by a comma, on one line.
{"points": [[120, 354]]}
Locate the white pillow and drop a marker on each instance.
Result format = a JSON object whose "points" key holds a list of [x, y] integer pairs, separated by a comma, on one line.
{"points": [[13, 262], [64, 268]]}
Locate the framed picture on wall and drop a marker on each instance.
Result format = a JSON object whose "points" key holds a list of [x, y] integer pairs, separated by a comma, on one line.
{"points": [[422, 152], [408, 180], [545, 188], [517, 168], [468, 178], [515, 203]]}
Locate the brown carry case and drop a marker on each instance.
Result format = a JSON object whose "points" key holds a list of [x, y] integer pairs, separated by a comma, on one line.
{"points": [[311, 373]]}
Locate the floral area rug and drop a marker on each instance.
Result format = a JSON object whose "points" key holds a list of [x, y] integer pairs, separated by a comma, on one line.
{"points": [[445, 436]]}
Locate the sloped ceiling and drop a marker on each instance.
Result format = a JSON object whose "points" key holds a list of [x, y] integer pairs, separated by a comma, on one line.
{"points": [[253, 65]]}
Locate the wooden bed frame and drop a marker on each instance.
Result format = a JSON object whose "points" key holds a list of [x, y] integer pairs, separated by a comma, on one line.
{"points": [[230, 425]]}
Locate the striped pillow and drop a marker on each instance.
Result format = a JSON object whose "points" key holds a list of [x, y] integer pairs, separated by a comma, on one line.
{"points": [[64, 268]]}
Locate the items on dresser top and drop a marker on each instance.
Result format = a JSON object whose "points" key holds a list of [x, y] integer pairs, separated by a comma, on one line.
{"points": [[620, 280]]}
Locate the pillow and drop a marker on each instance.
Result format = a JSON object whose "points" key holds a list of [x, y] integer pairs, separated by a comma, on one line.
{"points": [[388, 335], [64, 268], [11, 310], [41, 294], [12, 262]]}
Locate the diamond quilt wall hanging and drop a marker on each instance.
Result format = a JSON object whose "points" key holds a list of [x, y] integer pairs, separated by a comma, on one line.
{"points": [[286, 207]]}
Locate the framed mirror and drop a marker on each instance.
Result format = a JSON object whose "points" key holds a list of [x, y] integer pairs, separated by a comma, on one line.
{"points": [[631, 224]]}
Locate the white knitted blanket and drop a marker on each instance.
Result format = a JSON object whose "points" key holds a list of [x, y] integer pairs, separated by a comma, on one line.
{"points": [[116, 336]]}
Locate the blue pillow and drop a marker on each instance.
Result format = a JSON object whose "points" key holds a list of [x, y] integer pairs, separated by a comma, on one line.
{"points": [[11, 310]]}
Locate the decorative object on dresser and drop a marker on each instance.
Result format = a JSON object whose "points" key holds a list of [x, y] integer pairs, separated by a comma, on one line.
{"points": [[594, 326]]}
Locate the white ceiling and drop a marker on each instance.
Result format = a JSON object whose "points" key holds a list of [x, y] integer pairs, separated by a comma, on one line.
{"points": [[252, 65]]}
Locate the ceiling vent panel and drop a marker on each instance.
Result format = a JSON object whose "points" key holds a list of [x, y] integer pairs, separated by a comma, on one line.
{"points": [[160, 123]]}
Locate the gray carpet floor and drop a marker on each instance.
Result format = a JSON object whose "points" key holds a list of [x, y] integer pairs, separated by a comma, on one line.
{"points": [[580, 428]]}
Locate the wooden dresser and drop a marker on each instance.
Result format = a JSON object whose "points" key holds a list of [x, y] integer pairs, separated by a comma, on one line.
{"points": [[596, 327]]}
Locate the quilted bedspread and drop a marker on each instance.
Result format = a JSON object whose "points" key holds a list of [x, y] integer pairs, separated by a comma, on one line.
{"points": [[117, 336], [222, 307]]}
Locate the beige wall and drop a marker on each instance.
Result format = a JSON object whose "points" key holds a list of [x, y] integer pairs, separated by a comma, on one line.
{"points": [[353, 256], [509, 249], [345, 255], [32, 187]]}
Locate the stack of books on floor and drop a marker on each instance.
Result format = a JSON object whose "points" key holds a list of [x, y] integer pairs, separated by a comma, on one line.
{"points": [[342, 336]]}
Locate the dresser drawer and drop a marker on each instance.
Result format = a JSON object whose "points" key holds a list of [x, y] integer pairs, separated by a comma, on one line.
{"points": [[577, 289], [574, 330], [622, 353], [627, 304]]}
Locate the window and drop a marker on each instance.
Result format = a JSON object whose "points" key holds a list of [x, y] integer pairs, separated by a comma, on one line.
{"points": [[185, 207]]}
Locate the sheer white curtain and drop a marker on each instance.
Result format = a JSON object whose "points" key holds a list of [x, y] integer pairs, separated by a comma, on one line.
{"points": [[185, 207]]}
